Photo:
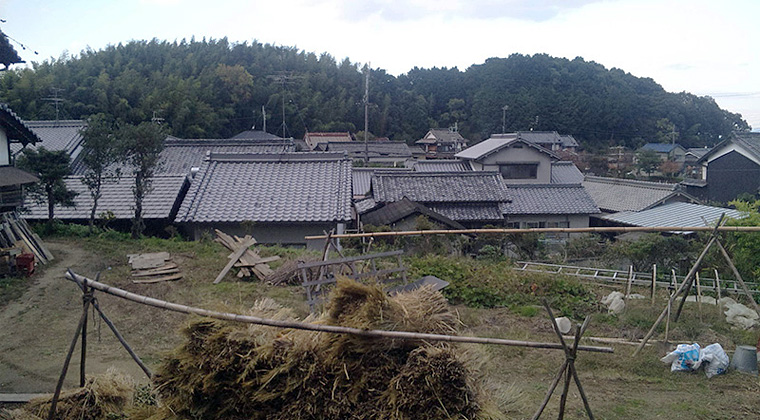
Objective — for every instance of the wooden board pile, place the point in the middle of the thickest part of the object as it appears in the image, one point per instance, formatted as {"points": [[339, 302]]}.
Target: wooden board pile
{"points": [[153, 268], [250, 262], [15, 232]]}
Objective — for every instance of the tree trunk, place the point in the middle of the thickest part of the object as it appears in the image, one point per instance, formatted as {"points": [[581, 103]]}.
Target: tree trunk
{"points": [[95, 198], [137, 222], [50, 203]]}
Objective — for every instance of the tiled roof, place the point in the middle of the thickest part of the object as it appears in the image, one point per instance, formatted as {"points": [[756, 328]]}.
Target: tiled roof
{"points": [[496, 143], [439, 187], [441, 165], [614, 195], [673, 214], [442, 135], [564, 172], [749, 141], [288, 187], [15, 129], [469, 212], [117, 198], [330, 136], [698, 151], [550, 199], [257, 135], [377, 149], [568, 141], [393, 212], [660, 147], [58, 135], [362, 178], [363, 206]]}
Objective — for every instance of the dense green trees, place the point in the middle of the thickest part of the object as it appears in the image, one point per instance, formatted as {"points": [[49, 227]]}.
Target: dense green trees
{"points": [[100, 155], [50, 167], [215, 89]]}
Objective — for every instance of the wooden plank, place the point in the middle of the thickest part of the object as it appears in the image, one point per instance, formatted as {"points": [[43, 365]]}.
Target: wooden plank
{"points": [[144, 263], [149, 255], [38, 241], [172, 277], [260, 261], [37, 253], [155, 273], [167, 266], [232, 261]]}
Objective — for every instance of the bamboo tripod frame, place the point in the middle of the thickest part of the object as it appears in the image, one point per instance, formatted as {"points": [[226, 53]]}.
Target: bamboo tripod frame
{"points": [[567, 370]]}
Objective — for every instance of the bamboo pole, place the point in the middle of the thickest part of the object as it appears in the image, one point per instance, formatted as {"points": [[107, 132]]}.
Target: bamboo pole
{"points": [[610, 229], [717, 287], [83, 356], [699, 296], [654, 280], [549, 393], [630, 281], [67, 361], [684, 286], [404, 335], [123, 342], [738, 277]]}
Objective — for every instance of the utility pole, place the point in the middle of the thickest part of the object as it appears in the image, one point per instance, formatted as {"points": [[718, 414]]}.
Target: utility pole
{"points": [[264, 116], [366, 113], [55, 100], [504, 119]]}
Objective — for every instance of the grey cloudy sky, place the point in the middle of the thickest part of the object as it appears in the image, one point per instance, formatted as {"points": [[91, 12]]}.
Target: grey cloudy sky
{"points": [[704, 47]]}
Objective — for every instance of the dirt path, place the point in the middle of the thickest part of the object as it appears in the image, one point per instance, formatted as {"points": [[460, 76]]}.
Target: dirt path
{"points": [[36, 329]]}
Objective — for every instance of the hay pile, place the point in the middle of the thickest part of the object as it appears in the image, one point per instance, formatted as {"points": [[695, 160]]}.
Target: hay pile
{"points": [[227, 371], [103, 397]]}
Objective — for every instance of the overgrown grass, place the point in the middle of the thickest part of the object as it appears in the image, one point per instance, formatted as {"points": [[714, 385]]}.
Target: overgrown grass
{"points": [[488, 284]]}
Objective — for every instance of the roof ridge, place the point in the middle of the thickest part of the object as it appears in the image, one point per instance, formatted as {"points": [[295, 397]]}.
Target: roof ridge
{"points": [[631, 182]]}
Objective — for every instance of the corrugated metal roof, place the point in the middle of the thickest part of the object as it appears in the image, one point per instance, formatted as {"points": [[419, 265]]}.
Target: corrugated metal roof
{"points": [[117, 198], [673, 214], [289, 187], [564, 172], [550, 199]]}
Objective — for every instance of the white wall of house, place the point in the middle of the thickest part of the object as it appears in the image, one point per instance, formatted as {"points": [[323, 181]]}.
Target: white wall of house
{"points": [[521, 154], [5, 151]]}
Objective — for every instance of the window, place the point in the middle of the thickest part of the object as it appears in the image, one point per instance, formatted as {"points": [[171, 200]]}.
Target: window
{"points": [[519, 170], [564, 224], [535, 225]]}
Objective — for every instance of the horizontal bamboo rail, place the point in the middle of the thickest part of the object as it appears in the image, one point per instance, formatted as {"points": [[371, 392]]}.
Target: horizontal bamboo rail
{"points": [[611, 229], [403, 335]]}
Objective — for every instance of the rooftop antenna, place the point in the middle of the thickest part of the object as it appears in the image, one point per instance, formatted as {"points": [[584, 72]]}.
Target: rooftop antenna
{"points": [[283, 78], [156, 119], [56, 100]]}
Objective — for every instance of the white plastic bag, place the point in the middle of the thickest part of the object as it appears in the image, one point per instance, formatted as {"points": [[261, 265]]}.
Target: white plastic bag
{"points": [[714, 359], [683, 358]]}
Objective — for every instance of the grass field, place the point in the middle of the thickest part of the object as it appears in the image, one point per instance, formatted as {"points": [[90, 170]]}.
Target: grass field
{"points": [[38, 317]]}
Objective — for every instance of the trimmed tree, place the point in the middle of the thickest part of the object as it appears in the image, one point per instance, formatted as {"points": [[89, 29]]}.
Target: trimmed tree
{"points": [[51, 167], [99, 155], [139, 148]]}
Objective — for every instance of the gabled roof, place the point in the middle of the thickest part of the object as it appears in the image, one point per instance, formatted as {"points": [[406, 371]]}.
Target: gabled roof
{"points": [[362, 178], [439, 187], [10, 175], [376, 149], [393, 212], [58, 135], [565, 172], [748, 143], [615, 195], [698, 152], [180, 155], [287, 188], [160, 202], [441, 165], [329, 136], [673, 214], [568, 141], [256, 135], [470, 212], [661, 147], [15, 129], [496, 143], [550, 199], [441, 135]]}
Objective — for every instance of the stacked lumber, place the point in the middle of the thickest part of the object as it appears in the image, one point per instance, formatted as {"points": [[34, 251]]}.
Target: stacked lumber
{"points": [[15, 232], [249, 262], [153, 268]]}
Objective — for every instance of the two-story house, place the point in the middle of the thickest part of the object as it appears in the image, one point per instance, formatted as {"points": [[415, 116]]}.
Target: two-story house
{"points": [[441, 143]]}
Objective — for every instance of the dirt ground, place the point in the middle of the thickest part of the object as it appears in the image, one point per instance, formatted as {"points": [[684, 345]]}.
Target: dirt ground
{"points": [[36, 330]]}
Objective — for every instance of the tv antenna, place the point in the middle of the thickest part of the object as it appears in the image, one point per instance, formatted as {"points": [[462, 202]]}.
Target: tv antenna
{"points": [[284, 78], [56, 100]]}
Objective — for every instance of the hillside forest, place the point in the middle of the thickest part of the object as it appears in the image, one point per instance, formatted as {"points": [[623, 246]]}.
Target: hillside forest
{"points": [[215, 89]]}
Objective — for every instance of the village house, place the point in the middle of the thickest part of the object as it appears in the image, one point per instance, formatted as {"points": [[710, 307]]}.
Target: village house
{"points": [[666, 151], [614, 195], [14, 132], [441, 143], [729, 169], [278, 198], [550, 140], [313, 140]]}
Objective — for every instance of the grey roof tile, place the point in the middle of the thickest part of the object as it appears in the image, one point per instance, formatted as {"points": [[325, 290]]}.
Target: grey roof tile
{"points": [[57, 135], [288, 187], [393, 212], [256, 135], [376, 149], [550, 199], [362, 178], [442, 135], [469, 212], [439, 187], [564, 172], [15, 129], [117, 198], [613, 194]]}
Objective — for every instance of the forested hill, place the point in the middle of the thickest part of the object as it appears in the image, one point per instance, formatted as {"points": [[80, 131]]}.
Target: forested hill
{"points": [[213, 89]]}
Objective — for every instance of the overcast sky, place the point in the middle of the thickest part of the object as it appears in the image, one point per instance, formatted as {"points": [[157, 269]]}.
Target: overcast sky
{"points": [[705, 47]]}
